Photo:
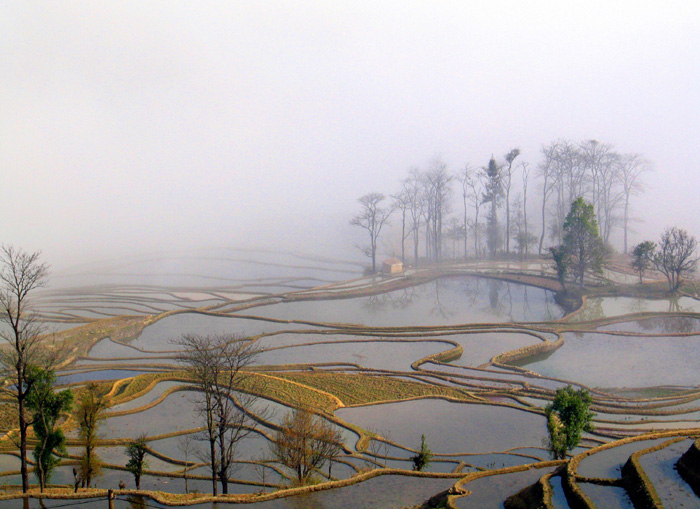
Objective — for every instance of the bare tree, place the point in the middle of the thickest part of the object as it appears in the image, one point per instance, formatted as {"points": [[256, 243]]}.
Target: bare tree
{"points": [[305, 442], [600, 163], [468, 177], [526, 234], [402, 203], [473, 182], [413, 189], [372, 218], [569, 182], [185, 445], [630, 171], [675, 256], [20, 274], [548, 173], [436, 183], [217, 367], [522, 238], [507, 182]]}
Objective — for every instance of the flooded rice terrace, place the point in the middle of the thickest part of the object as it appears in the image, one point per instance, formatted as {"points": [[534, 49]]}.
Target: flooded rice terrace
{"points": [[466, 357]]}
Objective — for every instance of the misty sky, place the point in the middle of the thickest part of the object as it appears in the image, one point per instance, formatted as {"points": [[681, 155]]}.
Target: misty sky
{"points": [[131, 126]]}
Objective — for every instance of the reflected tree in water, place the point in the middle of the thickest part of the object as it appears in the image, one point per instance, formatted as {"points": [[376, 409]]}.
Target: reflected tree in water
{"points": [[404, 299], [668, 324], [439, 308], [375, 304]]}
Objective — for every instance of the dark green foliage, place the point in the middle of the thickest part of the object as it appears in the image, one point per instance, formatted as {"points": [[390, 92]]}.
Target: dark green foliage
{"points": [[568, 416], [424, 456], [493, 194], [582, 249], [136, 451], [561, 262], [47, 407], [643, 254]]}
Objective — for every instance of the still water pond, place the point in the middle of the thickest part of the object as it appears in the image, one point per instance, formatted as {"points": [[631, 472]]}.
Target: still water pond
{"points": [[602, 360], [605, 307], [451, 427], [445, 301]]}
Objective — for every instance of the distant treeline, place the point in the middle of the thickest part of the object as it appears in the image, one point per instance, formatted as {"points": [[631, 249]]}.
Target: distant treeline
{"points": [[484, 210]]}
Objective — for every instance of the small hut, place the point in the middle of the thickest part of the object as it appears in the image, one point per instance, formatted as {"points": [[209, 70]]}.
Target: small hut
{"points": [[392, 266]]}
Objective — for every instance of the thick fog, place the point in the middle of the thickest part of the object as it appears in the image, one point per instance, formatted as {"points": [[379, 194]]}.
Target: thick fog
{"points": [[142, 126]]}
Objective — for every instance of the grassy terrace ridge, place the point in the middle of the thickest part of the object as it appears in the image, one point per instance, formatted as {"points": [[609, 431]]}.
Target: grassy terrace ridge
{"points": [[360, 389]]}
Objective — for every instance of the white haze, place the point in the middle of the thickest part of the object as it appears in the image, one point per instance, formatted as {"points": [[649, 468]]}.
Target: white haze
{"points": [[138, 126]]}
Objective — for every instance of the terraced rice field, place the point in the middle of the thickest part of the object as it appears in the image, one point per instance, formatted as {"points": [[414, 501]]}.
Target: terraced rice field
{"points": [[466, 355]]}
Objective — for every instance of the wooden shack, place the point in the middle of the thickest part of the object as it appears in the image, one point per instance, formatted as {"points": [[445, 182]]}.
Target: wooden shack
{"points": [[392, 266]]}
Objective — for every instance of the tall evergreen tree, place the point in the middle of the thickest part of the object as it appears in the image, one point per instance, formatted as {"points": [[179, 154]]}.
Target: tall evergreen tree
{"points": [[493, 194]]}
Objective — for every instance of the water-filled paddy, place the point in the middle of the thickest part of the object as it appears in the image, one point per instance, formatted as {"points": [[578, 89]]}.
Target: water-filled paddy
{"points": [[669, 485], [103, 374], [491, 491], [657, 325], [152, 395], [210, 268], [608, 463], [445, 301], [393, 355], [386, 491], [451, 427], [602, 360], [106, 348], [613, 497], [559, 500], [160, 335], [176, 413], [606, 307]]}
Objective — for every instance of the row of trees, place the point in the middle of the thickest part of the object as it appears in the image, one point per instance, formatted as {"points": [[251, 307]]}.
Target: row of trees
{"points": [[583, 250], [674, 256], [27, 360], [219, 368], [493, 200], [216, 365]]}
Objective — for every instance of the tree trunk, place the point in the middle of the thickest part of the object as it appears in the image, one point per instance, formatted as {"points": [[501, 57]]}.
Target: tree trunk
{"points": [[224, 483], [416, 239], [22, 432], [403, 239], [508, 219], [88, 470], [526, 239], [627, 200], [465, 226], [544, 224], [212, 452]]}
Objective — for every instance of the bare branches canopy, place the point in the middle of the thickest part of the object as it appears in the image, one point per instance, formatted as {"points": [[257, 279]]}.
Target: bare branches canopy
{"points": [[305, 442], [372, 218], [676, 256], [595, 171], [217, 367]]}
